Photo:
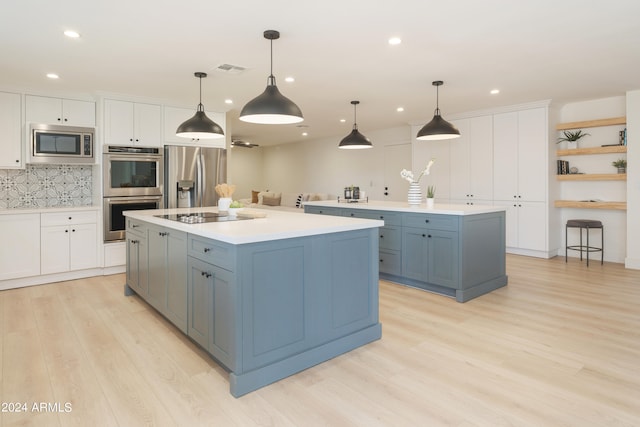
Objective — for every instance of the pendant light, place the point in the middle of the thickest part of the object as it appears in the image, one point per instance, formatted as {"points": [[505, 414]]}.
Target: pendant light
{"points": [[271, 107], [355, 140], [200, 126], [438, 128]]}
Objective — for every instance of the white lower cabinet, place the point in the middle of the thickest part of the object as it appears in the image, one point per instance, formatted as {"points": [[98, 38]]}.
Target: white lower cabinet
{"points": [[20, 250], [526, 226], [68, 241]]}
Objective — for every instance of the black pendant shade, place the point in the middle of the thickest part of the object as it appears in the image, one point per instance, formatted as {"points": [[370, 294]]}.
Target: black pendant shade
{"points": [[437, 128], [271, 107], [355, 140], [200, 126]]}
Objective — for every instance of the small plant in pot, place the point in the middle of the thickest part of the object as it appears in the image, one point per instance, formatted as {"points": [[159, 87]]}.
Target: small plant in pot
{"points": [[621, 164], [572, 138]]}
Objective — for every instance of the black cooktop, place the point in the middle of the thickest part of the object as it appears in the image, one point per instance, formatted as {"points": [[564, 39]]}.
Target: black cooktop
{"points": [[202, 217]]}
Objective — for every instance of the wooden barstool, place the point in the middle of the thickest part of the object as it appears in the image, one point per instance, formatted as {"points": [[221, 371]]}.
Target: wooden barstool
{"points": [[582, 224]]}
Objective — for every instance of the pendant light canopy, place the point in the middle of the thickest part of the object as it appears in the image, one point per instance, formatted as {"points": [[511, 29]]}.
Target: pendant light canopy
{"points": [[271, 107], [200, 126], [355, 140], [438, 128]]}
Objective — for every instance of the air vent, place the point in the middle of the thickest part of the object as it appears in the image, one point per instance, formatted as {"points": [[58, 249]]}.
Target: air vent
{"points": [[230, 69]]}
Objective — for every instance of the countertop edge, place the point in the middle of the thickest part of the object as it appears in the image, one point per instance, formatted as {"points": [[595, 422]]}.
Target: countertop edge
{"points": [[438, 209]]}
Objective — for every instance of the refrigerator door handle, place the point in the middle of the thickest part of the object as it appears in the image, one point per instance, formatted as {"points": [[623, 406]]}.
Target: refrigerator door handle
{"points": [[199, 180]]}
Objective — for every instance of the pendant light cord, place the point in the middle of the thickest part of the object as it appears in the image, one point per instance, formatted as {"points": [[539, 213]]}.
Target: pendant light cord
{"points": [[355, 117], [200, 106], [437, 112]]}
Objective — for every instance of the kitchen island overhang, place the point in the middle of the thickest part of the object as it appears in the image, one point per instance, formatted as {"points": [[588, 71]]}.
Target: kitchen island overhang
{"points": [[266, 297]]}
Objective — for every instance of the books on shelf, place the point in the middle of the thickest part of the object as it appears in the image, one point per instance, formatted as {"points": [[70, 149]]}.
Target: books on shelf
{"points": [[563, 167]]}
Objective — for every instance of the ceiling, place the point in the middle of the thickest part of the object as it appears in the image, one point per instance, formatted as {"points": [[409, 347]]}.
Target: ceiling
{"points": [[337, 51]]}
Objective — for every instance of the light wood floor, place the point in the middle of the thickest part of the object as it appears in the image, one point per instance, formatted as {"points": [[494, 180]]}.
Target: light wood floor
{"points": [[559, 346]]}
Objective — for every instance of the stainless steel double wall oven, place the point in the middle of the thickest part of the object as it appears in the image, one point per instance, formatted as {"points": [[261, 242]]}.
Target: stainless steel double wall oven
{"points": [[133, 179]]}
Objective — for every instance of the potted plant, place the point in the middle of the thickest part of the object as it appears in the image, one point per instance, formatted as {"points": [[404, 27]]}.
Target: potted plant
{"points": [[572, 138], [621, 164], [431, 194]]}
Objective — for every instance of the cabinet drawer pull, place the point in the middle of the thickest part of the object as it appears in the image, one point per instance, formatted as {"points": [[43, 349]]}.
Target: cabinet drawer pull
{"points": [[69, 218], [133, 242], [426, 220], [429, 236], [66, 231], [382, 236], [73, 230], [205, 274], [134, 225], [206, 250], [424, 235]]}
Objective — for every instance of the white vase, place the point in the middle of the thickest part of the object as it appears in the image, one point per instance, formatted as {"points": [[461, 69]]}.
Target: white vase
{"points": [[224, 203], [414, 197], [430, 202], [572, 145]]}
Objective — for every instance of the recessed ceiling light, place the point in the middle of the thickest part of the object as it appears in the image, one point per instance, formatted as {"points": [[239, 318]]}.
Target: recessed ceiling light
{"points": [[304, 134], [400, 109], [343, 120], [53, 76], [72, 34], [495, 91], [228, 101], [395, 40], [289, 79]]}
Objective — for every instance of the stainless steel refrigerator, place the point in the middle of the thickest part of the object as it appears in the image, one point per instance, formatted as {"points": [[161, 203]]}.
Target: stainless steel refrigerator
{"points": [[191, 174]]}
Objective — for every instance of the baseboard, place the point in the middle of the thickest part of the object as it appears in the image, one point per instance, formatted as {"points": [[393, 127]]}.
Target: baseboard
{"points": [[632, 263], [58, 277]]}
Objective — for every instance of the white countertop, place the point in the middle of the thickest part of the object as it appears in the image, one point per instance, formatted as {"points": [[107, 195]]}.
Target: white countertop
{"points": [[439, 208], [11, 211], [275, 226]]}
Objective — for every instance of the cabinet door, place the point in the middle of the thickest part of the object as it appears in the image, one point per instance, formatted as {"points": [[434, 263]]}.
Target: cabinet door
{"points": [[147, 126], [79, 113], [118, 122], [137, 264], [176, 307], [21, 258], [10, 131], [532, 155], [221, 343], [54, 249], [443, 258], [460, 162], [481, 158], [157, 295], [415, 247], [43, 109], [133, 262], [200, 301], [83, 246], [505, 151], [532, 226]]}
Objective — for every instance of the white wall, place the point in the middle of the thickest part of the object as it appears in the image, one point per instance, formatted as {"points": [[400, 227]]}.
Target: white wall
{"points": [[245, 170], [633, 180], [614, 221], [319, 166]]}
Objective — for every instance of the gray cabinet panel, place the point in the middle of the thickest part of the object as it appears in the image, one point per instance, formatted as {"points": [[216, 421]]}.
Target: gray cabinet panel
{"points": [[437, 222], [390, 262], [390, 238], [320, 210], [200, 313]]}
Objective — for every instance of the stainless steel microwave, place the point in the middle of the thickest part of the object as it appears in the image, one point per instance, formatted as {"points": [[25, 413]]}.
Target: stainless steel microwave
{"points": [[61, 144]]}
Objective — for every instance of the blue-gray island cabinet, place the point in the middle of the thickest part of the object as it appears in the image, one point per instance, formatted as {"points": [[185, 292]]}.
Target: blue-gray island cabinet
{"points": [[266, 297], [453, 250]]}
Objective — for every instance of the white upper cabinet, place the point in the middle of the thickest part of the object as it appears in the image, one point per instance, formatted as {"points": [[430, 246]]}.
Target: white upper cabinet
{"points": [[10, 131], [174, 117], [520, 155], [72, 112], [132, 123], [472, 160]]}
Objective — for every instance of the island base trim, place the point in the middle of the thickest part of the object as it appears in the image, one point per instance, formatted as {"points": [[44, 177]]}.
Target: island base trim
{"points": [[460, 295], [241, 384]]}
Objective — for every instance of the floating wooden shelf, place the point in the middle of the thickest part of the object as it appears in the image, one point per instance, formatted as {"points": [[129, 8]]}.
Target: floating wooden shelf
{"points": [[591, 205], [592, 123], [593, 150], [593, 177]]}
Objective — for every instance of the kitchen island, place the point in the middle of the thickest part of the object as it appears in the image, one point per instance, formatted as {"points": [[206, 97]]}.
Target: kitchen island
{"points": [[452, 249], [265, 297]]}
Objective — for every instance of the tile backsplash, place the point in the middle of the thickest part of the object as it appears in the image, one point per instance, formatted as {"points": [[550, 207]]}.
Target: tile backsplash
{"points": [[46, 186]]}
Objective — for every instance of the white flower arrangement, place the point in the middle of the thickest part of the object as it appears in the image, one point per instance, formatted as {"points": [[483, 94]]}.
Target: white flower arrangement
{"points": [[408, 175]]}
